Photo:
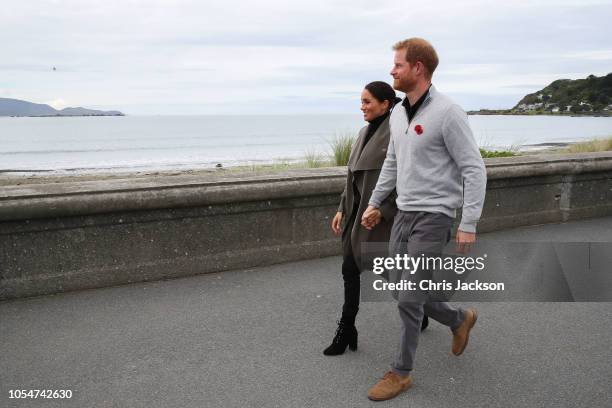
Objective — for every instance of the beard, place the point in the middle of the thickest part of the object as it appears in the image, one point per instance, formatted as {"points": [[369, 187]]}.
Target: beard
{"points": [[404, 84]]}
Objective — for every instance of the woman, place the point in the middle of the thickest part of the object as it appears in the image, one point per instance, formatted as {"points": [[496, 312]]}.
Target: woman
{"points": [[366, 160]]}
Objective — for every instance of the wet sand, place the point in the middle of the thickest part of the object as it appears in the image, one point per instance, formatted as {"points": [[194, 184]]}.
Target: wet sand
{"points": [[12, 177]]}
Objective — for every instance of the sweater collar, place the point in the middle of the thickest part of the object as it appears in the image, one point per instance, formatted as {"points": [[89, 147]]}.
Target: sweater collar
{"points": [[411, 110]]}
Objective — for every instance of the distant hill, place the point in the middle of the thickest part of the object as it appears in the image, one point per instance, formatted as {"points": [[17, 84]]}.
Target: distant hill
{"points": [[16, 107], [589, 96]]}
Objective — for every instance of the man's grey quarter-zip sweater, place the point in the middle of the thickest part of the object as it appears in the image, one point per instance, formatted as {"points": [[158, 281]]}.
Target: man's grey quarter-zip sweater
{"points": [[438, 170]]}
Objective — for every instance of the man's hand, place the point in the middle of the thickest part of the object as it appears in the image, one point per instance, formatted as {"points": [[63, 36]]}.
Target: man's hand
{"points": [[371, 216], [336, 224], [464, 241]]}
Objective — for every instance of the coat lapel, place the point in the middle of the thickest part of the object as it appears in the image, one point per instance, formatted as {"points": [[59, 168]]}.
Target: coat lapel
{"points": [[356, 151], [372, 156]]}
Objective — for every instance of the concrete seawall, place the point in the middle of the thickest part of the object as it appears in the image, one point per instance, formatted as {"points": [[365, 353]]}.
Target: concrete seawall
{"points": [[78, 235]]}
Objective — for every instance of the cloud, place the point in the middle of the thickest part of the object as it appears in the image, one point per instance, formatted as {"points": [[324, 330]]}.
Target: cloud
{"points": [[163, 56], [592, 55], [57, 103]]}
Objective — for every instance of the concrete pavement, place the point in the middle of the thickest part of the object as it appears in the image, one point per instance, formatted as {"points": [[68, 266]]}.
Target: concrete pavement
{"points": [[254, 338]]}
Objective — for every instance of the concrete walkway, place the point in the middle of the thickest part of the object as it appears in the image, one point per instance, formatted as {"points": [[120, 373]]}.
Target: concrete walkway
{"points": [[254, 339]]}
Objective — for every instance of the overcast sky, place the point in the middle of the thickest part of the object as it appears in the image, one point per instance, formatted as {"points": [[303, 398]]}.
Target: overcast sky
{"points": [[271, 57]]}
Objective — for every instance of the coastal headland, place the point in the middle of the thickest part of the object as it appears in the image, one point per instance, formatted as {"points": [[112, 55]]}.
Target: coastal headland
{"points": [[18, 108], [591, 96]]}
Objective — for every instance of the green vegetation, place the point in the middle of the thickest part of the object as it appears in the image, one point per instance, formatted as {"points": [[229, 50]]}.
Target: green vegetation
{"points": [[583, 95], [592, 94], [314, 159], [506, 151], [595, 145], [589, 96], [496, 153], [280, 165], [341, 146]]}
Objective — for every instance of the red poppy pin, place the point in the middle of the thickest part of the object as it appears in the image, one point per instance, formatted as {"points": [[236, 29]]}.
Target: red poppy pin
{"points": [[418, 129]]}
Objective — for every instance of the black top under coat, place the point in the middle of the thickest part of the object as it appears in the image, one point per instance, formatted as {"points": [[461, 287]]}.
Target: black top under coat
{"points": [[373, 127], [412, 110]]}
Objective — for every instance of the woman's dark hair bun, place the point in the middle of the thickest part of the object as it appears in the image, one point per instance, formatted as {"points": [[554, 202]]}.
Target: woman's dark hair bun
{"points": [[382, 91]]}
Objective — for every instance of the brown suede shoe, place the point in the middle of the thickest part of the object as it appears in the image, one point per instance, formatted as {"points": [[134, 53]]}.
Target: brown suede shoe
{"points": [[462, 333], [389, 386]]}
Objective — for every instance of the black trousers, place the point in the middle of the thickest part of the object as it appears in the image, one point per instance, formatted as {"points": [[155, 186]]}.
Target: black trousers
{"points": [[351, 271], [350, 275]]}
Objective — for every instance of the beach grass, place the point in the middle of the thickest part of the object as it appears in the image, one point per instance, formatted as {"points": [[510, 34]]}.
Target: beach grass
{"points": [[505, 151], [341, 146], [497, 153], [275, 165], [314, 160], [593, 145], [508, 151]]}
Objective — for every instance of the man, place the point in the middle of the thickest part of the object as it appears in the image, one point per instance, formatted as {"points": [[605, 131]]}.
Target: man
{"points": [[435, 166]]}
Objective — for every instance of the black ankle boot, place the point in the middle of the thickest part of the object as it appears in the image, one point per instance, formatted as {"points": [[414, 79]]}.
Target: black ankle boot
{"points": [[425, 322], [346, 335]]}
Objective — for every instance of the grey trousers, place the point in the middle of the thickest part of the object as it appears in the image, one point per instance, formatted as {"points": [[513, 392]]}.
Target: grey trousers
{"points": [[415, 233]]}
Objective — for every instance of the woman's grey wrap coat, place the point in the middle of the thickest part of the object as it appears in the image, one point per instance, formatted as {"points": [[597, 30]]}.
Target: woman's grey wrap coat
{"points": [[363, 170]]}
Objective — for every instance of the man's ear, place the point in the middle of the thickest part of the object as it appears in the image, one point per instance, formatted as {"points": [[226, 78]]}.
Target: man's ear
{"points": [[420, 68]]}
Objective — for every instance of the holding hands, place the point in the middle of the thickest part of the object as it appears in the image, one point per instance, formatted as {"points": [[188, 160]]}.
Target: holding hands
{"points": [[371, 217]]}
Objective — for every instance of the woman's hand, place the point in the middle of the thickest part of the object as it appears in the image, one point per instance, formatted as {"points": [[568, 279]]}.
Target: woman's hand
{"points": [[371, 217], [336, 224]]}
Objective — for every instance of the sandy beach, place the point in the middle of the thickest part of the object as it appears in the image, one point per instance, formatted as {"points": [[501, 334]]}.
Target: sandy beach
{"points": [[11, 178]]}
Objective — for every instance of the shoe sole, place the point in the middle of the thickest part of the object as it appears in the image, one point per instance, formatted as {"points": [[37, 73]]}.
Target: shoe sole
{"points": [[467, 336], [393, 396]]}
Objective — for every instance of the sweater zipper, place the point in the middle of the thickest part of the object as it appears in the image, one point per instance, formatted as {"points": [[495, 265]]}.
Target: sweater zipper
{"points": [[425, 102]]}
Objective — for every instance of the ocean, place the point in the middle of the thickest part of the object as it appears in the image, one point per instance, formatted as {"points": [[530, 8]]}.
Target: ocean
{"points": [[146, 143]]}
